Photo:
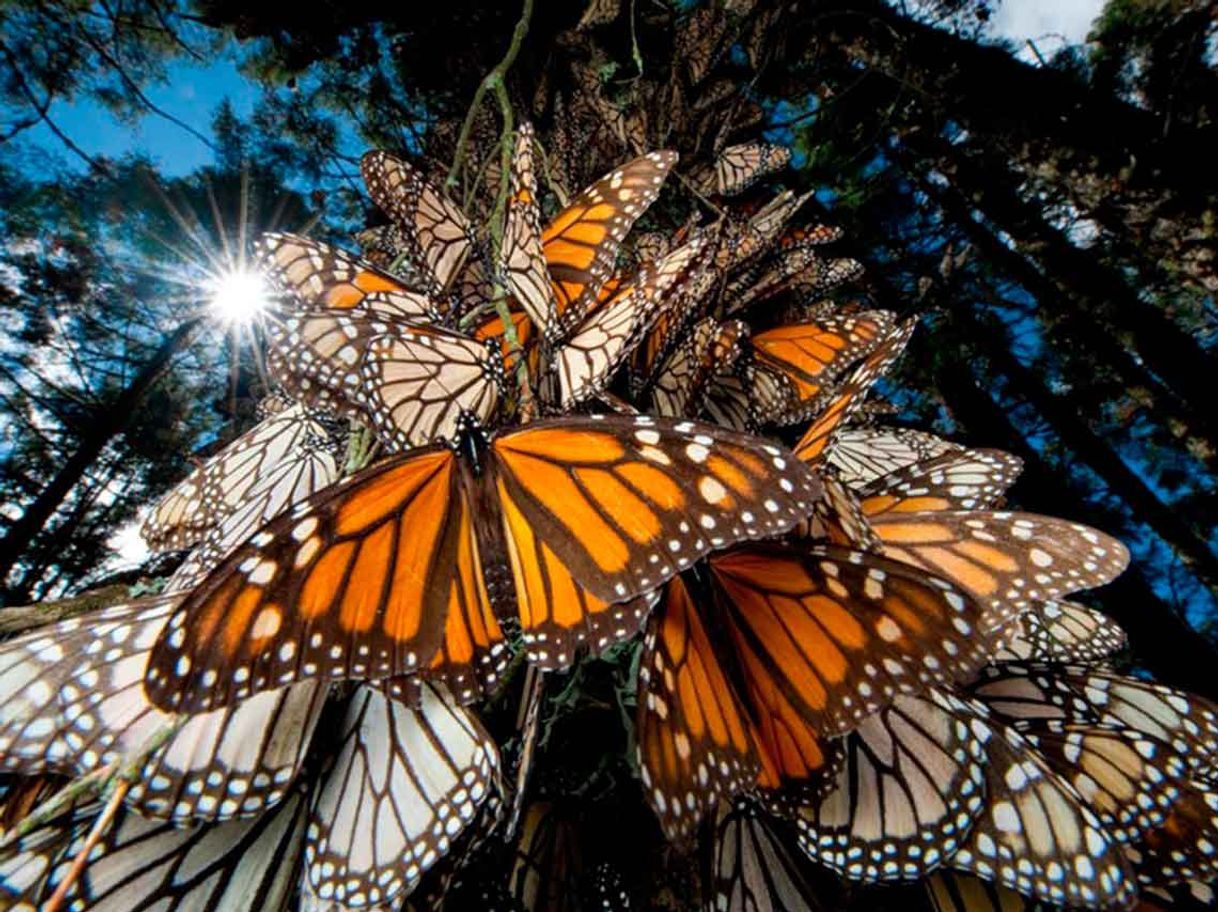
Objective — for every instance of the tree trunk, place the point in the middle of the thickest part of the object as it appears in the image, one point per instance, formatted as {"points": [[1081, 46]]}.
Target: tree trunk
{"points": [[109, 424]]}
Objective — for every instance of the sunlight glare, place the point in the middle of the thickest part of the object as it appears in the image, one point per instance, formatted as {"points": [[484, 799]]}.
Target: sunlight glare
{"points": [[239, 296]]}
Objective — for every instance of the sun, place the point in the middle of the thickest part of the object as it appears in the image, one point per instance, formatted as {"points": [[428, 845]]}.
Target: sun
{"points": [[238, 296]]}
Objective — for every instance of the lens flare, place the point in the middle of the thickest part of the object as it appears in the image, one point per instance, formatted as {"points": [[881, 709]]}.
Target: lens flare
{"points": [[238, 296]]}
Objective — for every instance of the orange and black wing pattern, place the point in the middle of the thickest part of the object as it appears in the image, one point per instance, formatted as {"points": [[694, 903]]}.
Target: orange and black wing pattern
{"points": [[626, 503], [844, 631], [581, 244], [317, 277], [354, 582], [433, 229], [696, 743], [849, 399], [963, 480], [1007, 561]]}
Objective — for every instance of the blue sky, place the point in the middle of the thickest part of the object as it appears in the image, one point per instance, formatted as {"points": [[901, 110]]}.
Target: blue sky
{"points": [[192, 93]]}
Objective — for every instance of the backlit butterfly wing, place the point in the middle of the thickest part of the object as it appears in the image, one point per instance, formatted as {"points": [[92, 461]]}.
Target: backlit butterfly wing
{"points": [[286, 442], [696, 743], [306, 472], [1007, 561], [1059, 631], [1034, 834], [318, 277], [143, 865], [524, 261], [74, 702], [962, 480], [753, 868], [432, 227], [902, 802], [354, 582], [627, 503], [405, 783], [581, 244], [846, 631], [745, 242], [700, 41], [419, 382], [862, 455], [587, 361], [809, 236], [821, 434], [838, 517], [548, 863]]}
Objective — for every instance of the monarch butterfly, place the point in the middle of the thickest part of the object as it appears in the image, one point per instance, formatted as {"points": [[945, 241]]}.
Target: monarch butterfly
{"points": [[548, 865], [291, 444], [431, 227], [1007, 561], [710, 349], [74, 702], [413, 382], [1082, 693], [809, 236], [821, 435], [1059, 631], [861, 455], [950, 891], [699, 41], [589, 513], [808, 642], [808, 356], [317, 277], [903, 800], [752, 868], [1034, 834], [746, 241], [599, 12], [142, 864], [959, 480], [737, 168], [413, 777], [800, 268]]}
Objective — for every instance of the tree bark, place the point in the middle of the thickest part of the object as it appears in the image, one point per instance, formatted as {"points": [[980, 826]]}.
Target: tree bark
{"points": [[109, 424]]}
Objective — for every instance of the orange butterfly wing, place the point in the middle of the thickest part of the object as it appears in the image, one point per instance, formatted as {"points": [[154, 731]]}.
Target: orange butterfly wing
{"points": [[354, 582], [626, 503]]}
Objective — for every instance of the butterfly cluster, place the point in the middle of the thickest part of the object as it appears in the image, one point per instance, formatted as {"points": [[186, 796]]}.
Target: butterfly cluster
{"points": [[592, 438]]}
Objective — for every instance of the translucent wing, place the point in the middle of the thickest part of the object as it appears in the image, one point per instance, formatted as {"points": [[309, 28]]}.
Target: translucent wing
{"points": [[708, 351], [587, 361], [754, 869], [74, 701], [431, 226], [1035, 835], [626, 503], [524, 261], [962, 480], [405, 783], [204, 499], [1008, 561], [581, 244], [950, 891], [317, 277], [1081, 693], [143, 865]]}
